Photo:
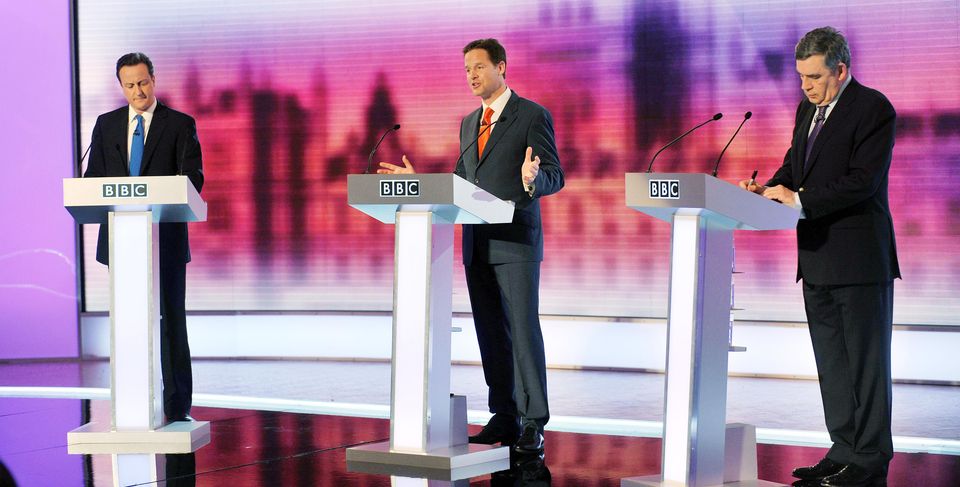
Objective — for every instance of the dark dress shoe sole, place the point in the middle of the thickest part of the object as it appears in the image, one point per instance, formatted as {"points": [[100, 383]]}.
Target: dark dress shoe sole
{"points": [[482, 439], [525, 448]]}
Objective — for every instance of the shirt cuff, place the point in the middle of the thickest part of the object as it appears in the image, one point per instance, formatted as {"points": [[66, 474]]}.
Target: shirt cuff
{"points": [[799, 204]]}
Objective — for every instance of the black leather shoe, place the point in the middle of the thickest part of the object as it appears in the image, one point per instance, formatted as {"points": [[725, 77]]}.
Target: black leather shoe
{"points": [[531, 439], [502, 428], [854, 476], [182, 418], [822, 469]]}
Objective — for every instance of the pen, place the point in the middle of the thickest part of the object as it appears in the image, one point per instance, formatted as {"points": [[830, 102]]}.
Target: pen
{"points": [[753, 178]]}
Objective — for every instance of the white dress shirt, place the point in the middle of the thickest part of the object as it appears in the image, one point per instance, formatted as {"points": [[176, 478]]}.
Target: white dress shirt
{"points": [[132, 121]]}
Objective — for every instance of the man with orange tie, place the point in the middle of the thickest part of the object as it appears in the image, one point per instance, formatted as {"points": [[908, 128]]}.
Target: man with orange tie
{"points": [[515, 159]]}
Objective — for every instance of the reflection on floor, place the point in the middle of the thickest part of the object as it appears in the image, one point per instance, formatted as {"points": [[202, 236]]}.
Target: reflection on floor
{"points": [[256, 448]]}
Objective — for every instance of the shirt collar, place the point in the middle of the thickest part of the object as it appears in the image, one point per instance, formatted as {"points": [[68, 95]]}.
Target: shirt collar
{"points": [[499, 104], [132, 114], [833, 102]]}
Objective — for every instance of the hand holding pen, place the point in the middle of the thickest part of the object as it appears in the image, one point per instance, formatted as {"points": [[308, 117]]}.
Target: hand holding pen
{"points": [[751, 184]]}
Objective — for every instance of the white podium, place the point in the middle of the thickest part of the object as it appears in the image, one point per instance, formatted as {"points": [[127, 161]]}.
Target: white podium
{"points": [[428, 426], [134, 206], [699, 449]]}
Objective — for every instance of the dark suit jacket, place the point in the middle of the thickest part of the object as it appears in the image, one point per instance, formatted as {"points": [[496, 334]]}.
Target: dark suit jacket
{"points": [[172, 137], [847, 234], [522, 124]]}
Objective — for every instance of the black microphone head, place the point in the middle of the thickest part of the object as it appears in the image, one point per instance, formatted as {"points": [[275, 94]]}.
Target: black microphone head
{"points": [[746, 116], [396, 127], [718, 116]]}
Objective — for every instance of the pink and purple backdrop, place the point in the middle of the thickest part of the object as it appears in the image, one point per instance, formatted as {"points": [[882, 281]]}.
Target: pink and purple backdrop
{"points": [[289, 97], [39, 302]]}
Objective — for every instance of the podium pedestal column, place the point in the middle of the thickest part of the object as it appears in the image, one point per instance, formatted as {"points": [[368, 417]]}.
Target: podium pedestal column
{"points": [[135, 322], [420, 386], [694, 427], [424, 439]]}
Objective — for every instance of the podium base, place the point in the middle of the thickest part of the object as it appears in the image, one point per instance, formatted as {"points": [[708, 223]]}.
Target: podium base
{"points": [[453, 463], [657, 481], [178, 437]]}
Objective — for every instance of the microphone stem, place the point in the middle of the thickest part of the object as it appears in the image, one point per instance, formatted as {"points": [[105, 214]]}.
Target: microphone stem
{"points": [[374, 151], [716, 168], [650, 167]]}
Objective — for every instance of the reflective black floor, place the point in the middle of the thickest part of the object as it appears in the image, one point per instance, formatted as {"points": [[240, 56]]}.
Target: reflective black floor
{"points": [[255, 448]]}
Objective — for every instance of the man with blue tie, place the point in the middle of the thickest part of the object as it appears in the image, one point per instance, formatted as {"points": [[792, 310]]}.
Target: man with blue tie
{"points": [[147, 138], [836, 171]]}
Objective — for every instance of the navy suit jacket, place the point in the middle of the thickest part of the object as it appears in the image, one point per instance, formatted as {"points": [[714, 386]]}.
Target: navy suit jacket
{"points": [[847, 234], [172, 147], [522, 124]]}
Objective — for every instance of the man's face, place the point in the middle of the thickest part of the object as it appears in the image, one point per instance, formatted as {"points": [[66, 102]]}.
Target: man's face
{"points": [[819, 84], [485, 78], [137, 86]]}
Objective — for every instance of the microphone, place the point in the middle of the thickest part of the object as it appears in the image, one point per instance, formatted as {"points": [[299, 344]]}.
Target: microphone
{"points": [[183, 156], [477, 139], [718, 116], [374, 151], [84, 156], [746, 116]]}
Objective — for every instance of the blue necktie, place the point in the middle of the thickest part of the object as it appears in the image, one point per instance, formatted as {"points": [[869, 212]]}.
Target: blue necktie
{"points": [[136, 148]]}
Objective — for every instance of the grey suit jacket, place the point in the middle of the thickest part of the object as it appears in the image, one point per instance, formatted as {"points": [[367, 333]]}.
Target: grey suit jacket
{"points": [[522, 124]]}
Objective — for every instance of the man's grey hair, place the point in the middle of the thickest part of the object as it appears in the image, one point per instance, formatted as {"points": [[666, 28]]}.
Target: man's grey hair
{"points": [[826, 41]]}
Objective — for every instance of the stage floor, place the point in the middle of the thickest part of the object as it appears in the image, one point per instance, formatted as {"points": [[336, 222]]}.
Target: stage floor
{"points": [[258, 448], [262, 436], [924, 411]]}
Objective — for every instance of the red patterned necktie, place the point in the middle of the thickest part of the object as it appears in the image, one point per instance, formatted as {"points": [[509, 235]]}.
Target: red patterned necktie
{"points": [[484, 131]]}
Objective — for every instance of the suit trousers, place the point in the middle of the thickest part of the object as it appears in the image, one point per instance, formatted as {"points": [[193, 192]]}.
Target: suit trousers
{"points": [[505, 303], [851, 328], [174, 347]]}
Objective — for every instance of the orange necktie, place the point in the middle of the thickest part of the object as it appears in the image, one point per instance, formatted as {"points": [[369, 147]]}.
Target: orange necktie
{"points": [[484, 131]]}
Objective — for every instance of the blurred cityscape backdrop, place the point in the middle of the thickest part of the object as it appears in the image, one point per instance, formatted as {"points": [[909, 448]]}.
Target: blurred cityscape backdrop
{"points": [[290, 96]]}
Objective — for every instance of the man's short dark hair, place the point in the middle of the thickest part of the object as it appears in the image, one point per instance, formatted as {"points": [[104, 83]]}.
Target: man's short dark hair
{"points": [[494, 49], [826, 41], [133, 59]]}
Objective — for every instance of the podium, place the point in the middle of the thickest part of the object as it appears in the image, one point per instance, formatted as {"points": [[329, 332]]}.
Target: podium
{"points": [[133, 207], [699, 449], [428, 426]]}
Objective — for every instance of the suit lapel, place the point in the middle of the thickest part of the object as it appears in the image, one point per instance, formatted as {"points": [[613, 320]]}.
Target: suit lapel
{"points": [[830, 127], [503, 124], [801, 142], [472, 125], [157, 125], [116, 140]]}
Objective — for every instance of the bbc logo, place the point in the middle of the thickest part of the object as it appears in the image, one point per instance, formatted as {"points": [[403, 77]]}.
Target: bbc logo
{"points": [[392, 188], [665, 189], [138, 190]]}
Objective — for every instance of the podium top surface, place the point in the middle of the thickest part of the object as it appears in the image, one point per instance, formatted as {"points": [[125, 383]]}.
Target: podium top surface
{"points": [[662, 195], [170, 198], [449, 197]]}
